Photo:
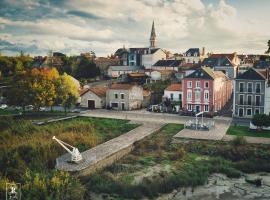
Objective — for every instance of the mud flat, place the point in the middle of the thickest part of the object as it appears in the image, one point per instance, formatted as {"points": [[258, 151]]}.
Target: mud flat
{"points": [[220, 187]]}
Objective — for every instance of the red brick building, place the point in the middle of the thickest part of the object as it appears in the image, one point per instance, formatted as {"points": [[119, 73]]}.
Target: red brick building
{"points": [[206, 90]]}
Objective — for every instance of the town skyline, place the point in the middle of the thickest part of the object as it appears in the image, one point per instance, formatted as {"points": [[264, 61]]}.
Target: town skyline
{"points": [[222, 26]]}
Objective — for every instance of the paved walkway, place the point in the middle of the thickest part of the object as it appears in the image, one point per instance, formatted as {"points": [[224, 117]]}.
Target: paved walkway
{"points": [[215, 133], [142, 115], [93, 156]]}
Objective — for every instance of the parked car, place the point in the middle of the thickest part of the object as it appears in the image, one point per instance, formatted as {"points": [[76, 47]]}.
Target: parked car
{"points": [[3, 106], [29, 107], [42, 109]]}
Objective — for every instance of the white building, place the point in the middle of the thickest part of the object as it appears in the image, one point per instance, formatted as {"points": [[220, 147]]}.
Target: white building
{"points": [[194, 55], [151, 56]]}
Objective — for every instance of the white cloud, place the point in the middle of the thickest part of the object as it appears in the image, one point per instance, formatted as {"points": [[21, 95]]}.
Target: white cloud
{"points": [[180, 24]]}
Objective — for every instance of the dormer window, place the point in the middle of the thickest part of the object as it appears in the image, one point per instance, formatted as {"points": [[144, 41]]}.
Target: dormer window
{"points": [[195, 54], [189, 55]]}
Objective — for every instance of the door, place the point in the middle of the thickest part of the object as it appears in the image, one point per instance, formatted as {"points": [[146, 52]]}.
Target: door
{"points": [[123, 106], [197, 109], [91, 104], [241, 112]]}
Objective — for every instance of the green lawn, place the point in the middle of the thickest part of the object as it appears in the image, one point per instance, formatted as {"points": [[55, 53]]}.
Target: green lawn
{"points": [[8, 112], [245, 131]]}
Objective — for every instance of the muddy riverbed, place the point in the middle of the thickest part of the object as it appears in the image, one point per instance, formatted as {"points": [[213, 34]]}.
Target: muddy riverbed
{"points": [[219, 187]]}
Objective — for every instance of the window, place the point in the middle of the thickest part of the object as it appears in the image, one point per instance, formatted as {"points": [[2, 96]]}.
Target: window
{"points": [[258, 87], [241, 99], [206, 84], [116, 96], [258, 100], [206, 95], [172, 96], [198, 84], [122, 96], [249, 111], [206, 108], [250, 85], [189, 107], [114, 105], [189, 96], [189, 84], [241, 87], [249, 101], [257, 111], [198, 95], [180, 97]]}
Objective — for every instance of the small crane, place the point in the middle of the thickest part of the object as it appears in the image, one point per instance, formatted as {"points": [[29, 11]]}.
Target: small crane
{"points": [[76, 156]]}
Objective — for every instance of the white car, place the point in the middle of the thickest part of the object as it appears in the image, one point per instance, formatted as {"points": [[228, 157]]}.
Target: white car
{"points": [[42, 109], [3, 106]]}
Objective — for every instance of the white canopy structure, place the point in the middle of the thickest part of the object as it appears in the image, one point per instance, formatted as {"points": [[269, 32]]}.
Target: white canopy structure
{"points": [[75, 154]]}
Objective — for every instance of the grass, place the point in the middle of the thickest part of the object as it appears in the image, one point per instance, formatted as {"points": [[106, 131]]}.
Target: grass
{"points": [[245, 131], [8, 112]]}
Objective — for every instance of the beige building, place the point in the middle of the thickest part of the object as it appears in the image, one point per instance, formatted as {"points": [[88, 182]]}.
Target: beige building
{"points": [[94, 97], [124, 97]]}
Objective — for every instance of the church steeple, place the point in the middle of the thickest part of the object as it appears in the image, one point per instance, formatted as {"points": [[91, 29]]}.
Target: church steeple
{"points": [[153, 36]]}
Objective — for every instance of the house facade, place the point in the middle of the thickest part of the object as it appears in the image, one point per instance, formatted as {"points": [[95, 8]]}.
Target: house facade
{"points": [[175, 94], [194, 55], [206, 90], [116, 71], [124, 97], [249, 94], [93, 97]]}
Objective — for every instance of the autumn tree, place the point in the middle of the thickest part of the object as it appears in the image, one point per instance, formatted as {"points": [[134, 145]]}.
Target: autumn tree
{"points": [[67, 91], [43, 88]]}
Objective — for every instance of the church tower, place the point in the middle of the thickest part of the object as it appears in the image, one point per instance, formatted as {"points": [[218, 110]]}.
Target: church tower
{"points": [[153, 37]]}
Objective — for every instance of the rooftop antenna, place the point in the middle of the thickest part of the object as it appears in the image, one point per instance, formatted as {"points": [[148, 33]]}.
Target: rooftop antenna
{"points": [[76, 156]]}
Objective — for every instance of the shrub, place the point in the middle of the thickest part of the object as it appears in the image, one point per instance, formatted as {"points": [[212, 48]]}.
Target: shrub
{"points": [[239, 141]]}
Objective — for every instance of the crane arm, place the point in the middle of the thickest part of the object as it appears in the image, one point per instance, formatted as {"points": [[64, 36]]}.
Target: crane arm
{"points": [[63, 144]]}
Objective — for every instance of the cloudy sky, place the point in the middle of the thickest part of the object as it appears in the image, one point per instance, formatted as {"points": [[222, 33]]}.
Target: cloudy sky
{"points": [[74, 26]]}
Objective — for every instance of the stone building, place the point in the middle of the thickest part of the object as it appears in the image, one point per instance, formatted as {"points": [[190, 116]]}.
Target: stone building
{"points": [[124, 97]]}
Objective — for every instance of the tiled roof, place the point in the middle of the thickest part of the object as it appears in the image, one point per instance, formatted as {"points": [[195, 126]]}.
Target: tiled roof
{"points": [[136, 74], [126, 68], [168, 63], [222, 55], [193, 51], [142, 50], [146, 93], [99, 91], [121, 86], [206, 73], [251, 74], [216, 62], [174, 87], [83, 91], [262, 64]]}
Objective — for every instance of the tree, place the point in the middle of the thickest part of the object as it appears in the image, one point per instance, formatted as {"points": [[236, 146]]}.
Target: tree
{"points": [[86, 69], [67, 91], [261, 120], [19, 92]]}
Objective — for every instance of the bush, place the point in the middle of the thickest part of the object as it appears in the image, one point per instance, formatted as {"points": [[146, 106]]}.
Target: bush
{"points": [[239, 141]]}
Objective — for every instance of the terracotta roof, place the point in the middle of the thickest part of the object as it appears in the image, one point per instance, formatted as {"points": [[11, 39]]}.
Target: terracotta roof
{"points": [[174, 87], [120, 86], [99, 91], [222, 55], [146, 93], [136, 74], [83, 91]]}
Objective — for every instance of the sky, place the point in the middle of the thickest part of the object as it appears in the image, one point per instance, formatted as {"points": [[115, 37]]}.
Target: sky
{"points": [[74, 26]]}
